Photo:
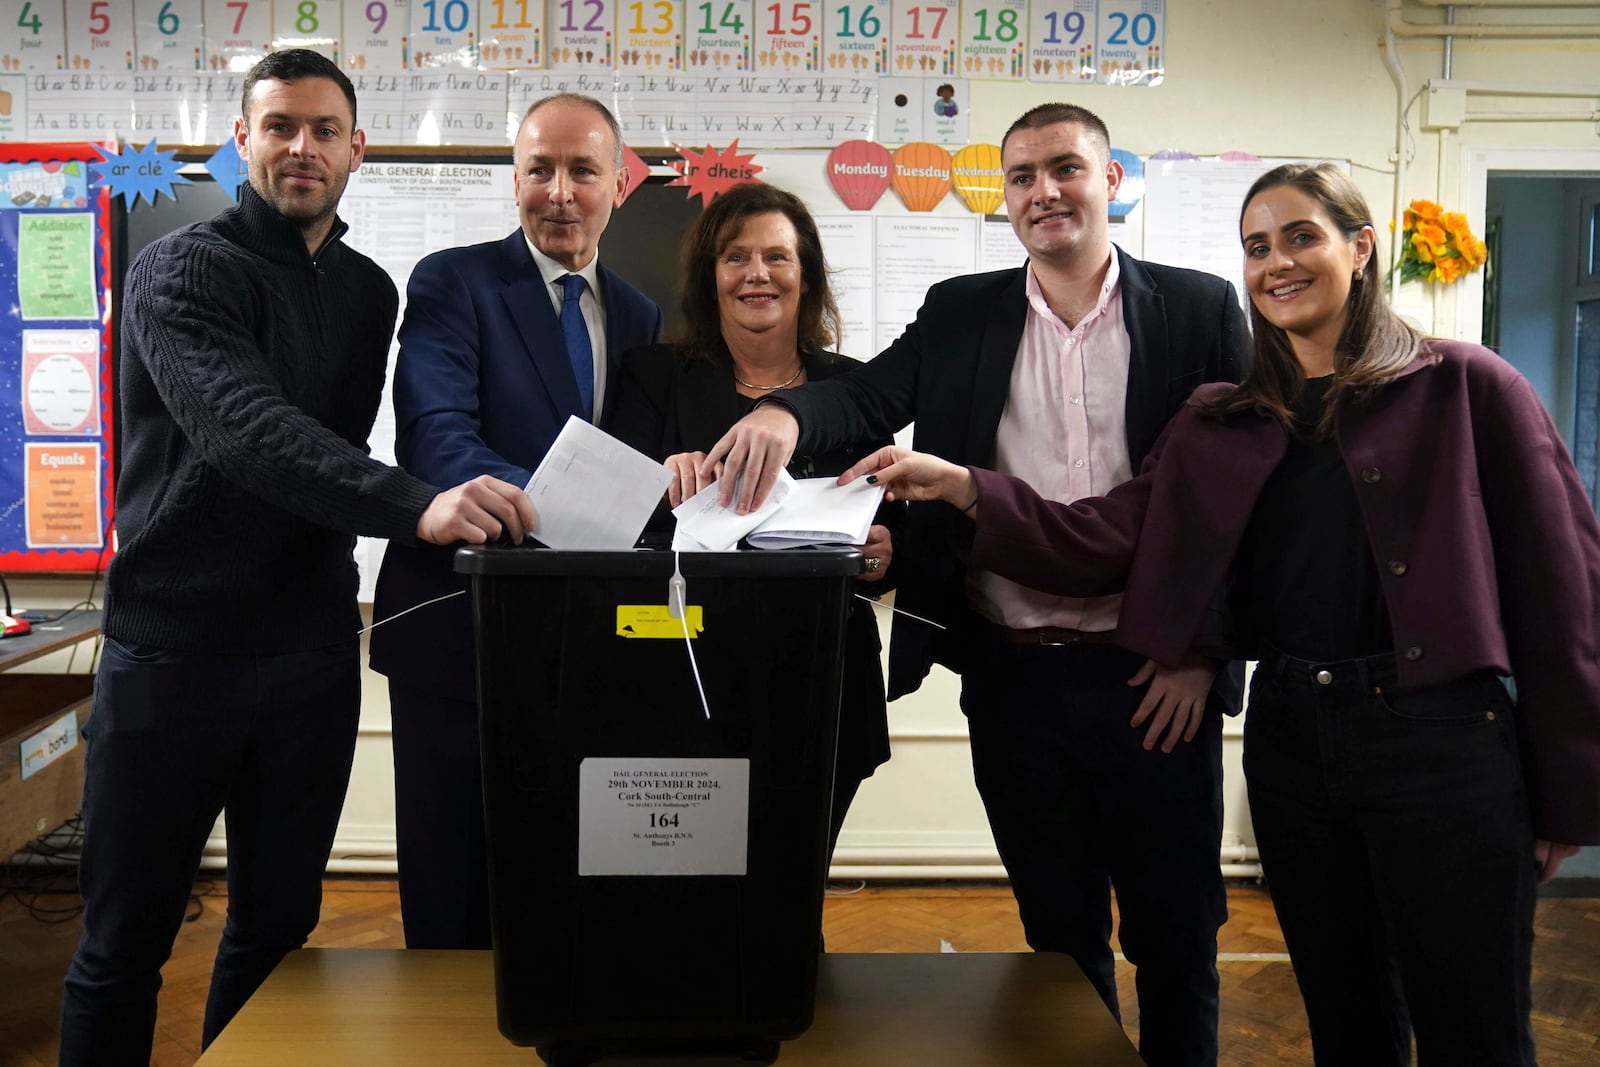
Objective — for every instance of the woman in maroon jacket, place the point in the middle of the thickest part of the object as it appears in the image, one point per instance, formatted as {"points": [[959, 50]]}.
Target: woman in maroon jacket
{"points": [[1396, 527]]}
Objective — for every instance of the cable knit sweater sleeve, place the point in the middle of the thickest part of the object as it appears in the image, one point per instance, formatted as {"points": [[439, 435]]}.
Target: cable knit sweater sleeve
{"points": [[250, 375], [221, 336]]}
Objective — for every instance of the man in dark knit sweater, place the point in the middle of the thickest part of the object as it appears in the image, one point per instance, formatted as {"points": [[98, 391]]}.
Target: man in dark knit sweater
{"points": [[254, 349]]}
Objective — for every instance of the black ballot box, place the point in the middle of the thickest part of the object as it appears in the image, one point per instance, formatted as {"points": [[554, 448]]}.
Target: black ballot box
{"points": [[656, 873]]}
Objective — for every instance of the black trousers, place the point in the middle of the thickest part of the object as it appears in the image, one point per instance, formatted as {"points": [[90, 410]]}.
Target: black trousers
{"points": [[1078, 807], [438, 811], [175, 739], [1394, 831]]}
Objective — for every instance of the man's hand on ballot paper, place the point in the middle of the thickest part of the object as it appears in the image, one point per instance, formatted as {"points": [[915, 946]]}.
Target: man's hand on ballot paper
{"points": [[478, 512]]}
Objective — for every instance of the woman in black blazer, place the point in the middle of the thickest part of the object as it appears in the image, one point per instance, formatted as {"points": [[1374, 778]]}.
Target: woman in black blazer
{"points": [[759, 316]]}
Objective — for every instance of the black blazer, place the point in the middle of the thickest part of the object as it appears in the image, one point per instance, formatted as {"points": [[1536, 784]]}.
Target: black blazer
{"points": [[670, 404], [950, 372]]}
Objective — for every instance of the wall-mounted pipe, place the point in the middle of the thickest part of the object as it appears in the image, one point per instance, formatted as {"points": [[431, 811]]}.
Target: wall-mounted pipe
{"points": [[1516, 88], [1530, 116], [1477, 29], [1510, 3], [1401, 94], [1402, 28], [1449, 42]]}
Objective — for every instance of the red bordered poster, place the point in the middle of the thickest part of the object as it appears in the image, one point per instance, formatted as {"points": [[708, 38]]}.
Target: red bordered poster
{"points": [[56, 411]]}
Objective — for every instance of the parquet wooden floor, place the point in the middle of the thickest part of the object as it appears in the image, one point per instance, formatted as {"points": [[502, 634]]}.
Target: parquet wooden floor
{"points": [[1262, 1021]]}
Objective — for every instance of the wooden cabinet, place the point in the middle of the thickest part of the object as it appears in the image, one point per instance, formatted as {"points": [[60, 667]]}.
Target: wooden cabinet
{"points": [[31, 704]]}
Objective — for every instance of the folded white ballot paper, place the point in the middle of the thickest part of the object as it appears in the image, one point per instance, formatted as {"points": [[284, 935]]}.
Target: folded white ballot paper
{"points": [[812, 511], [820, 511], [704, 525], [594, 492]]}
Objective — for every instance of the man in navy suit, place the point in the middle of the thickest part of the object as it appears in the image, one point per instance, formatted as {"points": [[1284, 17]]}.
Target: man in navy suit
{"points": [[501, 343], [1097, 769]]}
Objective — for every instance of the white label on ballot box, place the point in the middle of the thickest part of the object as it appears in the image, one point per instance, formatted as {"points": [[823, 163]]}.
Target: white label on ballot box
{"points": [[663, 815]]}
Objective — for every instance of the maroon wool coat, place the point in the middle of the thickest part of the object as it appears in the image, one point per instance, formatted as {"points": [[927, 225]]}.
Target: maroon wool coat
{"points": [[1486, 546]]}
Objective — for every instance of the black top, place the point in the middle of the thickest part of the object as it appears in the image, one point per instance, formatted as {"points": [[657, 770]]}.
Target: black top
{"points": [[1307, 583], [671, 404], [251, 374]]}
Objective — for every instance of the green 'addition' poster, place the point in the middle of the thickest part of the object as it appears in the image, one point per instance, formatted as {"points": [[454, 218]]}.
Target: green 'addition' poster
{"points": [[55, 265]]}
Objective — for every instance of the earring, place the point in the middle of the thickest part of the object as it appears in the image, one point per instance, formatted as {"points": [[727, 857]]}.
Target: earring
{"points": [[1359, 273]]}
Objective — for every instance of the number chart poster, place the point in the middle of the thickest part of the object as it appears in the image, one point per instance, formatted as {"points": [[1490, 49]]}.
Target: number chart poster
{"points": [[55, 365]]}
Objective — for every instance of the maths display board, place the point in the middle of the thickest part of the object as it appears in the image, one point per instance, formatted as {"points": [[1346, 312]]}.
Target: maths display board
{"points": [[55, 365]]}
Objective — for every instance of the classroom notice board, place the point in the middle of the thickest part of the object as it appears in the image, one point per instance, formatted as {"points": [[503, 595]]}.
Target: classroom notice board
{"points": [[55, 362]]}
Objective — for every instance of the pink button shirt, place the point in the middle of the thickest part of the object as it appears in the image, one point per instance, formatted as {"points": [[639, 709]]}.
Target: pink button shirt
{"points": [[1064, 432]]}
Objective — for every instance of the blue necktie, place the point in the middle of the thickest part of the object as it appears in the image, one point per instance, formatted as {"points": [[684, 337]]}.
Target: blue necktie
{"points": [[576, 333]]}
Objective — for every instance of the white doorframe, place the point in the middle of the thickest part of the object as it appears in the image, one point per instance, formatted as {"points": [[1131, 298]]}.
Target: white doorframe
{"points": [[1477, 161]]}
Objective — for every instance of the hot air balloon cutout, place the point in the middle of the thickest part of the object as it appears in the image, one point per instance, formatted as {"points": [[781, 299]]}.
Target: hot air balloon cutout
{"points": [[978, 178], [709, 173], [1132, 189], [921, 175], [859, 173]]}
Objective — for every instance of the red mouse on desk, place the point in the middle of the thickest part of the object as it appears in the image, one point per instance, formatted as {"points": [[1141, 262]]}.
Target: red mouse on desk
{"points": [[11, 626]]}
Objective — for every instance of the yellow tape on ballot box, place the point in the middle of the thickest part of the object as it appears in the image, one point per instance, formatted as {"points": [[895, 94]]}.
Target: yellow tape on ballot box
{"points": [[653, 620]]}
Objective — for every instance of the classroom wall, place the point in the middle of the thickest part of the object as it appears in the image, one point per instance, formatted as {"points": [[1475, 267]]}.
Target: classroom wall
{"points": [[1266, 78], [1269, 78]]}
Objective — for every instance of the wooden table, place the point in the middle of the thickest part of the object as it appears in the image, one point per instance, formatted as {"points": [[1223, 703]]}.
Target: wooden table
{"points": [[399, 1008], [30, 703]]}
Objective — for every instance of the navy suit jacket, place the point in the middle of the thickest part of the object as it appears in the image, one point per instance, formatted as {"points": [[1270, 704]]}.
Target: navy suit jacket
{"points": [[482, 386], [950, 374]]}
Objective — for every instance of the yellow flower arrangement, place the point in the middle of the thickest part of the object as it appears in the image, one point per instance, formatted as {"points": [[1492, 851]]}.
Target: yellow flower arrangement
{"points": [[1437, 245]]}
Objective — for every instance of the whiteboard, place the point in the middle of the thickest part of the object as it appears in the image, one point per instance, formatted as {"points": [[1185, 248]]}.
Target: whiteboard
{"points": [[1191, 212], [398, 213]]}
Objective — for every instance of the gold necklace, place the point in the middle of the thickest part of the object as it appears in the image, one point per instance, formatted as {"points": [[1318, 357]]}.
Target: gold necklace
{"points": [[781, 385]]}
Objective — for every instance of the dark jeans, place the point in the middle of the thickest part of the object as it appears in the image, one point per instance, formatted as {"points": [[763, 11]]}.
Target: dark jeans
{"points": [[175, 739], [438, 815], [1078, 807], [1395, 836]]}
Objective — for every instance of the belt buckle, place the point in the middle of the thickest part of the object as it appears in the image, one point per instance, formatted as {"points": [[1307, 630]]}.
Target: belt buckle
{"points": [[1058, 637]]}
